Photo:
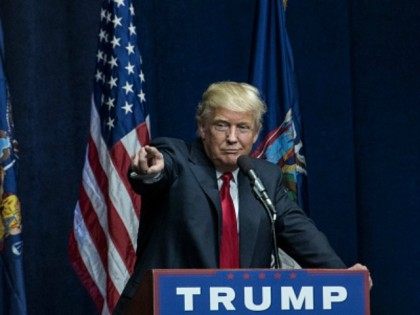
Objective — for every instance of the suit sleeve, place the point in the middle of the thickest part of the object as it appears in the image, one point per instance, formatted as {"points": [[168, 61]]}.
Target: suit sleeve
{"points": [[154, 189], [299, 236]]}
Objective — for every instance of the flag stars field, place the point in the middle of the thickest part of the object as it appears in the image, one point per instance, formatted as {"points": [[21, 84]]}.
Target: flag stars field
{"points": [[130, 49], [110, 123], [127, 107], [115, 42], [108, 17], [112, 82], [128, 88], [142, 96], [130, 68], [98, 76], [103, 36], [113, 62], [119, 3], [100, 55], [132, 29], [110, 103], [116, 21]]}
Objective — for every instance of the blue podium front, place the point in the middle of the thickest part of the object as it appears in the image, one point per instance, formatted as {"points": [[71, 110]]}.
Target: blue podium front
{"points": [[261, 291]]}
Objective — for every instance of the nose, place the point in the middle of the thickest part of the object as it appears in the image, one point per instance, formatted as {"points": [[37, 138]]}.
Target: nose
{"points": [[231, 135]]}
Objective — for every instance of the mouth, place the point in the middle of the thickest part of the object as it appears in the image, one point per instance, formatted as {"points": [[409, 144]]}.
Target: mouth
{"points": [[231, 151]]}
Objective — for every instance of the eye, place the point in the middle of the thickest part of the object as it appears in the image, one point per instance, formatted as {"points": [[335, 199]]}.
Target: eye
{"points": [[243, 128], [221, 126]]}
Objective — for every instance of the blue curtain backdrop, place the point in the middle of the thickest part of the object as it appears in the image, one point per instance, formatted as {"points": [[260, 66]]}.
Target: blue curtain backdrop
{"points": [[357, 68]]}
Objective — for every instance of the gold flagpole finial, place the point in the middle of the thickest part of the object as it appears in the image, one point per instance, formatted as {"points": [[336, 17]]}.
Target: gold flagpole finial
{"points": [[285, 4]]}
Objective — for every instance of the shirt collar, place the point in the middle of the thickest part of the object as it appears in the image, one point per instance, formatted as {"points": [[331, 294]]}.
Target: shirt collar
{"points": [[234, 173]]}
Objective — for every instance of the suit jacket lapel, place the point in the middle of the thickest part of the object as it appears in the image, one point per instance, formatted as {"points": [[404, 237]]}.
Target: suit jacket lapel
{"points": [[204, 172], [249, 221]]}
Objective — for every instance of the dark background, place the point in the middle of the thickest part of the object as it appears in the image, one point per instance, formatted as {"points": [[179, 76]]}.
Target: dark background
{"points": [[357, 70]]}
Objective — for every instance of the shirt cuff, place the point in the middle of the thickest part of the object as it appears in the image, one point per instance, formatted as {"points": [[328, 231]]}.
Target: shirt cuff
{"points": [[146, 178]]}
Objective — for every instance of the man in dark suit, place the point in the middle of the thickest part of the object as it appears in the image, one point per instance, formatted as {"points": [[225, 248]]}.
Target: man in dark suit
{"points": [[199, 210]]}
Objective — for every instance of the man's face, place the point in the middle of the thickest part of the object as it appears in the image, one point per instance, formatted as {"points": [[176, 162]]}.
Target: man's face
{"points": [[226, 135]]}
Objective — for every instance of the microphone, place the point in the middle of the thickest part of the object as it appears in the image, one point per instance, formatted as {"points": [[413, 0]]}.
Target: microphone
{"points": [[245, 164]]}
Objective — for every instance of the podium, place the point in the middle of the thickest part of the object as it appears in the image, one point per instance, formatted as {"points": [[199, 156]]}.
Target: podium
{"points": [[252, 291]]}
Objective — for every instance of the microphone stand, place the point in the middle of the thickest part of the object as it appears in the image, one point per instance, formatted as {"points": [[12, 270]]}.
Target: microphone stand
{"points": [[272, 214], [245, 164]]}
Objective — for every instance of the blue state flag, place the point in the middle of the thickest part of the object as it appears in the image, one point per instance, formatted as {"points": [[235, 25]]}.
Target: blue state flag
{"points": [[12, 288], [272, 72]]}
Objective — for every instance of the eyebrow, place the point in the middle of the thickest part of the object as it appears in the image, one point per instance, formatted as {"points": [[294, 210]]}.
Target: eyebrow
{"points": [[216, 119]]}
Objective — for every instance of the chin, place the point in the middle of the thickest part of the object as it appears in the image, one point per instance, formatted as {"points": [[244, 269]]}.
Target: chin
{"points": [[231, 163]]}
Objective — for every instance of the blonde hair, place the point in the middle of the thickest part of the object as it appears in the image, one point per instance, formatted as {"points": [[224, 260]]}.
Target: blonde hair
{"points": [[234, 96]]}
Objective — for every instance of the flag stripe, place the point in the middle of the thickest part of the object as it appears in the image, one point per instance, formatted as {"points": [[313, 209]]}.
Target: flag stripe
{"points": [[143, 132], [83, 273], [122, 163], [94, 228], [132, 143], [98, 229], [94, 244], [91, 199], [84, 253], [117, 231]]}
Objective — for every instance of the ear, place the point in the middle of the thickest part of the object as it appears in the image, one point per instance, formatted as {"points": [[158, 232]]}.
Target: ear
{"points": [[256, 136], [201, 131]]}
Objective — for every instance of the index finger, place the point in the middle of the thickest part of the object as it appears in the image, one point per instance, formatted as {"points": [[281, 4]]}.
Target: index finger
{"points": [[152, 151]]}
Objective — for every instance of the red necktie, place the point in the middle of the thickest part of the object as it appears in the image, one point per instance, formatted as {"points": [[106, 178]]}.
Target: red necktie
{"points": [[229, 243]]}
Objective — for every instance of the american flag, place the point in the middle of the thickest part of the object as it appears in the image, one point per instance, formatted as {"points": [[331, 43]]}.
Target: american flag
{"points": [[103, 242]]}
